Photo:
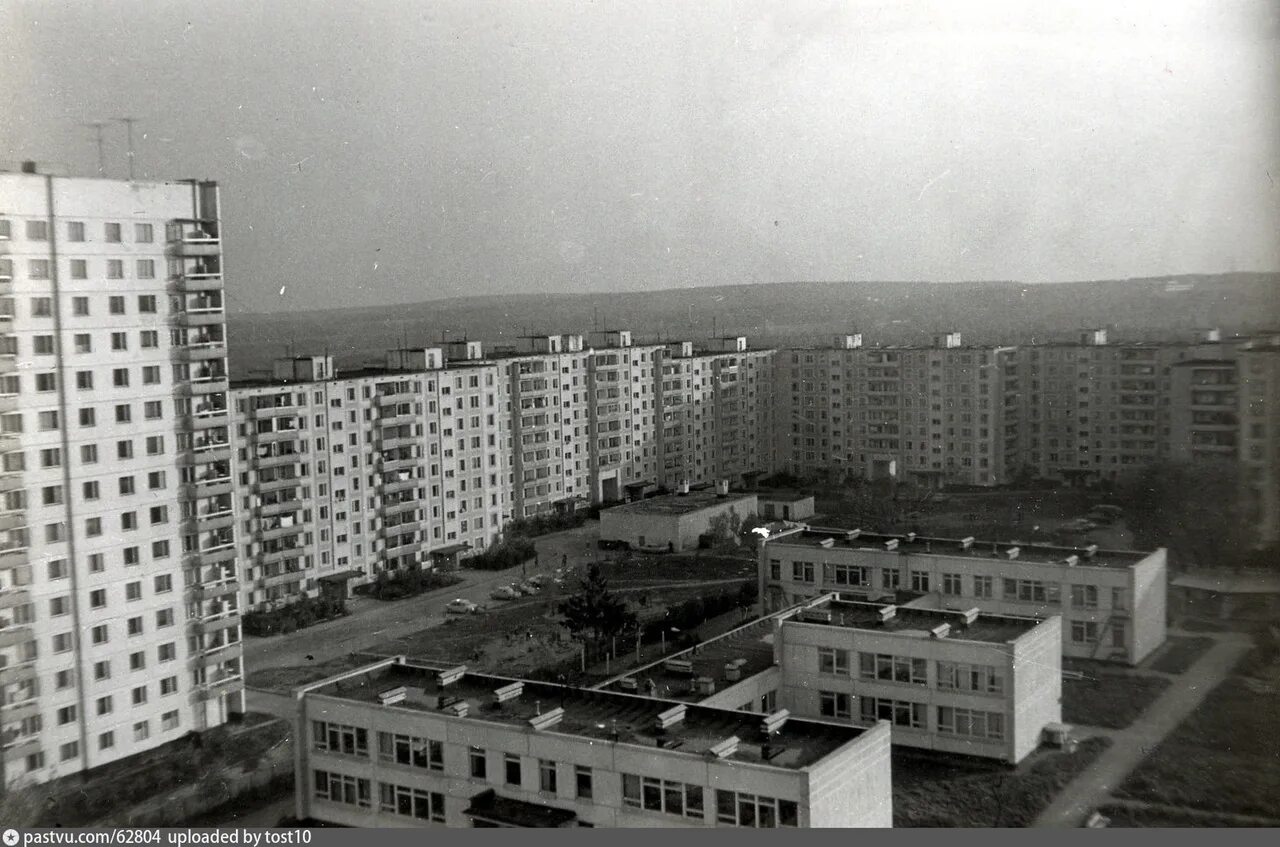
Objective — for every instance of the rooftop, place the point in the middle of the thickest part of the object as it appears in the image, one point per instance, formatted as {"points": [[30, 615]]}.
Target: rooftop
{"points": [[366, 372], [783, 496], [604, 715], [914, 622], [1039, 554], [750, 646], [677, 504]]}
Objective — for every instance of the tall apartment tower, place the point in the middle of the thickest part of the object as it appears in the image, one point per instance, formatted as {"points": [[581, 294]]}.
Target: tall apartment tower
{"points": [[119, 613]]}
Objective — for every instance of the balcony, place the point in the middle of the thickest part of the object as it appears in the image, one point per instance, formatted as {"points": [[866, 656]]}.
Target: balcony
{"points": [[264, 486], [15, 712], [278, 556], [18, 672], [276, 532], [391, 420], [12, 520], [392, 399], [388, 443], [209, 558], [12, 636], [396, 465], [10, 482], [277, 435], [213, 590], [211, 523], [217, 652], [208, 385], [279, 507], [10, 597], [285, 577], [396, 484], [200, 351], [195, 243]]}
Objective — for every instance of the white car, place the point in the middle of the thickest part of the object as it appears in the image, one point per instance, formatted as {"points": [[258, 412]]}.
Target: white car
{"points": [[504, 592], [461, 607]]}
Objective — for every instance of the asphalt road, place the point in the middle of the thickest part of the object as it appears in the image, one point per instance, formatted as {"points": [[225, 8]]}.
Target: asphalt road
{"points": [[373, 621]]}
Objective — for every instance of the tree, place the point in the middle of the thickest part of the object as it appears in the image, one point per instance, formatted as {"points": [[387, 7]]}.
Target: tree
{"points": [[1192, 508], [594, 613]]}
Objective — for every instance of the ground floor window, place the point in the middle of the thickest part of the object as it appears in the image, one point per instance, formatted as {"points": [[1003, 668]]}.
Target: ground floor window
{"points": [[898, 712], [736, 808], [969, 722], [412, 802]]}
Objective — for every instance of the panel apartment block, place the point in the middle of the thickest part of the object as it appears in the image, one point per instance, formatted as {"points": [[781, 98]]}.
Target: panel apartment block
{"points": [[403, 744], [1112, 603], [119, 616]]}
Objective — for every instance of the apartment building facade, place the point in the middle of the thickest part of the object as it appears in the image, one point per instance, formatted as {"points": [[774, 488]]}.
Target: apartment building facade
{"points": [[1112, 603], [405, 744], [119, 592], [1258, 382]]}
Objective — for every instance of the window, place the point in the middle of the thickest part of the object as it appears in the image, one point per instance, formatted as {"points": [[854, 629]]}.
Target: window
{"points": [[775, 570], [410, 750], [150, 339], [951, 584], [890, 579], [981, 679], [833, 704], [411, 802], [124, 413], [39, 269], [662, 795], [1119, 599], [898, 712], [119, 341], [59, 606], [143, 233], [168, 685], [75, 231], [58, 569], [582, 782], [511, 762], [120, 377], [66, 715], [337, 738], [163, 583], [547, 776], [88, 452], [79, 270], [802, 571], [887, 668], [736, 808], [37, 231], [478, 762], [1084, 632], [339, 788], [167, 652], [832, 661], [1084, 596], [126, 486], [919, 580], [155, 445], [47, 421], [102, 670], [69, 751], [982, 587], [169, 720], [106, 740], [134, 626], [80, 307], [971, 723], [141, 730], [1118, 635], [128, 521], [115, 304], [152, 410], [137, 661], [146, 269], [150, 374], [84, 382], [42, 345], [84, 344], [164, 618], [97, 598], [62, 642], [124, 449], [112, 231], [115, 269], [1032, 591], [846, 575]]}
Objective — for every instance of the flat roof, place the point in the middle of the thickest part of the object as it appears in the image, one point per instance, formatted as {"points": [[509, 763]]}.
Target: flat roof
{"points": [[752, 645], [910, 620], [592, 714], [782, 496], [1038, 554], [677, 504], [366, 372]]}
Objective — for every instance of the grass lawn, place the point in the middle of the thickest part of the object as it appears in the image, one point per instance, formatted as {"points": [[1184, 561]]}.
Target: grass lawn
{"points": [[638, 568], [946, 793], [1106, 697], [1224, 758], [284, 680], [1164, 816], [1178, 654]]}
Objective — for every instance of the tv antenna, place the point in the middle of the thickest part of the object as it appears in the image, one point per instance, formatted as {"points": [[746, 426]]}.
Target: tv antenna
{"points": [[97, 127], [128, 124]]}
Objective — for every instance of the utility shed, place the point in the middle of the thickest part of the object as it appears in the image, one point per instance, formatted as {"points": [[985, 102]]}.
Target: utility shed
{"points": [[673, 522]]}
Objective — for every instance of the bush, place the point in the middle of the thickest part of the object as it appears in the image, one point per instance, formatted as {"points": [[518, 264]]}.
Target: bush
{"points": [[294, 616], [395, 585], [547, 523], [502, 556]]}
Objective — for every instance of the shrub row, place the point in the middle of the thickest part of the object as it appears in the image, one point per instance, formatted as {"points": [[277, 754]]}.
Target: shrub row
{"points": [[292, 617], [499, 557], [408, 583]]}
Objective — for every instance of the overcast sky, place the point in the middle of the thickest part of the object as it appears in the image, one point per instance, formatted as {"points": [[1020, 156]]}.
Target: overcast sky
{"points": [[382, 152]]}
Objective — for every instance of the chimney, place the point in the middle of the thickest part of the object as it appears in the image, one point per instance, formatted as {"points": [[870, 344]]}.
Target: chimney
{"points": [[911, 536]]}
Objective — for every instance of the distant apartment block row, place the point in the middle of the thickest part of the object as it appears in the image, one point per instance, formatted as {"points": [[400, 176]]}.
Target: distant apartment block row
{"points": [[989, 415]]}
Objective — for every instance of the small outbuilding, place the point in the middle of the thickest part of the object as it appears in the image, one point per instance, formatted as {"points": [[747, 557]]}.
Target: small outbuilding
{"points": [[673, 522]]}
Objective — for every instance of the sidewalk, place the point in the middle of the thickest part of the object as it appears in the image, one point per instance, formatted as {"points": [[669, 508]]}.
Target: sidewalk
{"points": [[1130, 746]]}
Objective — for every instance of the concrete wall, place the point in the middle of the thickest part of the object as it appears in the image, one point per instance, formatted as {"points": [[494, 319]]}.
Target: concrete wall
{"points": [[853, 787], [660, 530], [1149, 622], [746, 695], [1036, 670]]}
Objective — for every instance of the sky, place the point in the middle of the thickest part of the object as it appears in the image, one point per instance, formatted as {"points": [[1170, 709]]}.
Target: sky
{"points": [[389, 152]]}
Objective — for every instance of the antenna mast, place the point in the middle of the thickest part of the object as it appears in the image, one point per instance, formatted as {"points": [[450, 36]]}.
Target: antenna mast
{"points": [[97, 127]]}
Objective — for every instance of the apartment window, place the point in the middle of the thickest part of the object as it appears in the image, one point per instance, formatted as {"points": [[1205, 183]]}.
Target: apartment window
{"points": [[84, 382], [661, 795], [951, 584], [1084, 596], [151, 375], [62, 642], [115, 304], [583, 787], [833, 704], [106, 740], [833, 662], [88, 452], [124, 413], [887, 668], [120, 377], [124, 449], [97, 598], [511, 763], [1032, 591], [338, 738], [980, 679], [1119, 599], [547, 776], [144, 233], [75, 231], [169, 720], [159, 515], [119, 341], [802, 571], [141, 730], [155, 445], [146, 269], [164, 618], [737, 808], [115, 269], [411, 802], [137, 661], [1118, 635], [167, 652], [775, 570], [95, 563], [134, 626], [39, 269], [47, 421], [80, 307], [150, 339], [898, 712], [920, 581], [37, 230], [890, 579], [971, 723], [101, 671], [340, 788], [112, 233], [79, 270], [410, 750], [133, 591], [163, 583], [152, 410], [128, 521], [130, 556], [69, 751], [66, 715], [58, 569], [479, 765], [168, 685]]}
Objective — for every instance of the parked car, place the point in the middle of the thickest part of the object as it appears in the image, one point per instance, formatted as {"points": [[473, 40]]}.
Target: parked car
{"points": [[517, 589], [461, 607], [537, 580], [504, 592], [529, 587]]}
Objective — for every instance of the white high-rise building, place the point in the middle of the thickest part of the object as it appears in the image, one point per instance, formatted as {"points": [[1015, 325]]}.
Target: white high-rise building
{"points": [[119, 620]]}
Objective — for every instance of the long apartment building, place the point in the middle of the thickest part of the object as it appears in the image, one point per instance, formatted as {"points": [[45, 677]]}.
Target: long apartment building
{"points": [[404, 744], [953, 413], [1112, 603], [340, 476], [968, 682], [119, 595]]}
